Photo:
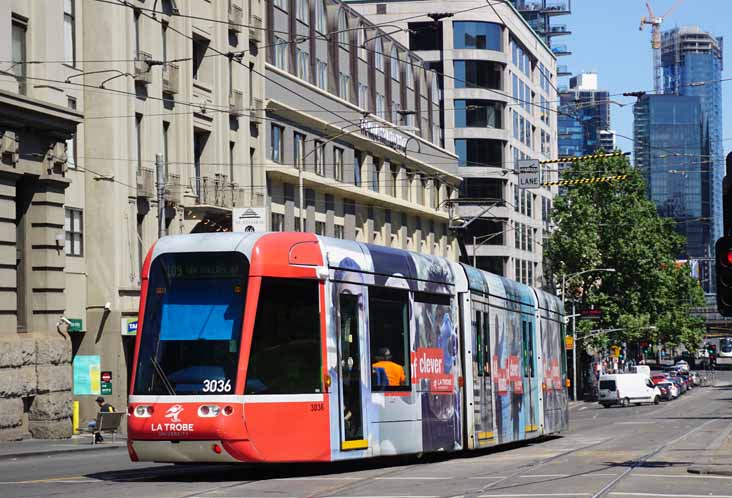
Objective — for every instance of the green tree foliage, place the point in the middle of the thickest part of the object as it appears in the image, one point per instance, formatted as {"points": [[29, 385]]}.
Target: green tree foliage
{"points": [[614, 225]]}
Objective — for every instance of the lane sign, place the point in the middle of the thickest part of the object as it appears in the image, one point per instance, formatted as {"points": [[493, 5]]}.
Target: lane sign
{"points": [[529, 173]]}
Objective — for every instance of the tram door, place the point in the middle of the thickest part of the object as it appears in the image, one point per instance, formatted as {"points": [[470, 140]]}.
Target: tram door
{"points": [[349, 363], [482, 381], [529, 361]]}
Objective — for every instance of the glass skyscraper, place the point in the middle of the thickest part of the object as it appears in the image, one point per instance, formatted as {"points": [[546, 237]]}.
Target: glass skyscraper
{"points": [[669, 137], [583, 120]]}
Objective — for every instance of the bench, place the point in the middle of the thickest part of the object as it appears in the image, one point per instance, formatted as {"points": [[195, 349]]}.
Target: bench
{"points": [[107, 422]]}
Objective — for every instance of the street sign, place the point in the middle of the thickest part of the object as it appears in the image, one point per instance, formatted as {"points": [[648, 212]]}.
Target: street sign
{"points": [[615, 350], [249, 219], [129, 325], [76, 325], [106, 376], [569, 342], [594, 314], [106, 388], [529, 173]]}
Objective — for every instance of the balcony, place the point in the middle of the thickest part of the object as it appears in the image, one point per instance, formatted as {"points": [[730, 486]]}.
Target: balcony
{"points": [[558, 30], [173, 190], [563, 70], [560, 50], [236, 103], [257, 111], [556, 9], [236, 17], [255, 28], [142, 68], [170, 78], [146, 183]]}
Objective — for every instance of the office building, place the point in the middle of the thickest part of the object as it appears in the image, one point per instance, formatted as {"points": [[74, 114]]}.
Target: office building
{"points": [[584, 118], [353, 132], [38, 114], [691, 62], [497, 81], [669, 130]]}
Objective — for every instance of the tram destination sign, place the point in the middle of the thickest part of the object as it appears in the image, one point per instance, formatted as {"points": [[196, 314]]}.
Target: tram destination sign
{"points": [[529, 173]]}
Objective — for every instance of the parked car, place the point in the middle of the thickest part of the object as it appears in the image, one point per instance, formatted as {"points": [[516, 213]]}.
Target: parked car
{"points": [[680, 383], [624, 389], [670, 390], [682, 365], [656, 378]]}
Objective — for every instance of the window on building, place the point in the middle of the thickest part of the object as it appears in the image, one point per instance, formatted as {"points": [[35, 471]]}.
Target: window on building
{"points": [[425, 35], [303, 63], [343, 34], [280, 53], [375, 174], [484, 188], [69, 32], [321, 19], [394, 64], [278, 222], [379, 55], [138, 141], [480, 152], [319, 228], [281, 4], [478, 74], [361, 43], [20, 54], [394, 179], [74, 228], [395, 108], [321, 69], [71, 153], [381, 106], [480, 35], [303, 11], [275, 342], [389, 339], [338, 163], [363, 96], [409, 71], [200, 45], [357, 163], [478, 114], [344, 86], [319, 158], [299, 150], [136, 27], [278, 140]]}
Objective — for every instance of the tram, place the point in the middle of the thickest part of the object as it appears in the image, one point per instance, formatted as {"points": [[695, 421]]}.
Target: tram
{"points": [[291, 347], [725, 348]]}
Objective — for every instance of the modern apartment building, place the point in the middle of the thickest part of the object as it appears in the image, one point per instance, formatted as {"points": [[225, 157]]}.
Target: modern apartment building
{"points": [[38, 114], [584, 120], [353, 132], [669, 134], [181, 80], [540, 15], [497, 82], [691, 62]]}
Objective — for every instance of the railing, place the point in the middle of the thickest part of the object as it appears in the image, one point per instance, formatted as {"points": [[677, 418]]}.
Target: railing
{"points": [[173, 190], [563, 70], [558, 28], [236, 16], [560, 49], [256, 114], [255, 27], [146, 183], [236, 103], [142, 68], [170, 78]]}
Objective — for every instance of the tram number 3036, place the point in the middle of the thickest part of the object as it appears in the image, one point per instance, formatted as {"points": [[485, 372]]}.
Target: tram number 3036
{"points": [[216, 386], [317, 407]]}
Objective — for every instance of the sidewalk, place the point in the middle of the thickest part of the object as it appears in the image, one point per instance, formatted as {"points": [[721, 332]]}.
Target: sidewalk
{"points": [[718, 458], [35, 447]]}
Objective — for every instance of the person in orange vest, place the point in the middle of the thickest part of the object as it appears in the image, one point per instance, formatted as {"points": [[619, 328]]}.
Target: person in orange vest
{"points": [[394, 371]]}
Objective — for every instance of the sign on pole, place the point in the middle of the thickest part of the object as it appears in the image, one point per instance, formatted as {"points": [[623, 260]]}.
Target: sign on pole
{"points": [[569, 342], [249, 219], [529, 173]]}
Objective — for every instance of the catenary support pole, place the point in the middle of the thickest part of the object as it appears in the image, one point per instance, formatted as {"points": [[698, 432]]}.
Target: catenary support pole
{"points": [[160, 167], [574, 352]]}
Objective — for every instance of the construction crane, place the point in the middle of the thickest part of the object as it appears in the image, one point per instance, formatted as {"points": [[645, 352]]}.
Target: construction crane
{"points": [[655, 23]]}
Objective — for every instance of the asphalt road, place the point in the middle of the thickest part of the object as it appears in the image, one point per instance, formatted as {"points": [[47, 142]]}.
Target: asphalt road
{"points": [[617, 452]]}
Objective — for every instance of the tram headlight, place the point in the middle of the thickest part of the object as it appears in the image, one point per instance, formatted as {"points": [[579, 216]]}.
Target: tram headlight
{"points": [[208, 411], [144, 411]]}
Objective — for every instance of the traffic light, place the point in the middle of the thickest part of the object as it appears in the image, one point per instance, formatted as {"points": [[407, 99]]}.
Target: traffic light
{"points": [[723, 267]]}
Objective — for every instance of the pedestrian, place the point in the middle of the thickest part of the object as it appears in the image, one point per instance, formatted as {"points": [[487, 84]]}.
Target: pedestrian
{"points": [[103, 408]]}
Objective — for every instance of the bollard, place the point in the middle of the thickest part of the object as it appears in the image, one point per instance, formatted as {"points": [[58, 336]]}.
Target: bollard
{"points": [[75, 417]]}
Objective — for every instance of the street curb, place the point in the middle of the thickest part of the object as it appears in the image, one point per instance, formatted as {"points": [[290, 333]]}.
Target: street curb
{"points": [[707, 467], [13, 456]]}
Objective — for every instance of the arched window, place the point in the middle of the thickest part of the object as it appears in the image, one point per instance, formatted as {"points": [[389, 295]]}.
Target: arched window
{"points": [[343, 30], [303, 11], [360, 40], [395, 69], [379, 54], [320, 17]]}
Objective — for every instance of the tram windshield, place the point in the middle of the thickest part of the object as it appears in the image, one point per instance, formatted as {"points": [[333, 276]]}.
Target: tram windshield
{"points": [[725, 345], [191, 332]]}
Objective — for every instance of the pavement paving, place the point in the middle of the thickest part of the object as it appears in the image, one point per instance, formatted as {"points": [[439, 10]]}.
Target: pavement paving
{"points": [[641, 451], [37, 447]]}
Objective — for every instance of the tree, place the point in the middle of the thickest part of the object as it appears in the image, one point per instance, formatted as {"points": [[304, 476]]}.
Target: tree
{"points": [[614, 225]]}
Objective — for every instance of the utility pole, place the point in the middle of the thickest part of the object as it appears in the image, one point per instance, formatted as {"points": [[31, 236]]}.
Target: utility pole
{"points": [[160, 167], [574, 351]]}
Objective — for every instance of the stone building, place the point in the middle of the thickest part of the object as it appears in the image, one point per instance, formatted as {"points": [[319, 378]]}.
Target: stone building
{"points": [[38, 114]]}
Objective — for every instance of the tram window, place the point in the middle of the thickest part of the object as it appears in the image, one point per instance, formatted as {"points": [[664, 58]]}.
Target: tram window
{"points": [[486, 346], [425, 297], [389, 339], [530, 349], [285, 351], [563, 349], [479, 341]]}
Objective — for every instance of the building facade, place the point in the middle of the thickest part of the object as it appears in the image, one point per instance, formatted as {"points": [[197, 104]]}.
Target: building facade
{"points": [[584, 120], [540, 15], [691, 62], [497, 82], [353, 137], [38, 114], [669, 130]]}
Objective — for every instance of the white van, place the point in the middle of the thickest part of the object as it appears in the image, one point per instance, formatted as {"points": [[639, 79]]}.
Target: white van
{"points": [[624, 389], [642, 369]]}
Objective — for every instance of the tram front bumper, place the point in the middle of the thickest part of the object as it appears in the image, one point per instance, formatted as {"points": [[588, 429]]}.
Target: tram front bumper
{"points": [[180, 451]]}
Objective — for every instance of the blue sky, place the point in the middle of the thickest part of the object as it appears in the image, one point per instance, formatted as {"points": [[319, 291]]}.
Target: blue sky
{"points": [[605, 39]]}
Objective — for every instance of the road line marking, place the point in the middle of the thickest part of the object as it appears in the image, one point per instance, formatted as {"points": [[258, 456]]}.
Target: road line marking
{"points": [[323, 478], [685, 476], [488, 477], [410, 478], [544, 475], [586, 493], [619, 493], [54, 480]]}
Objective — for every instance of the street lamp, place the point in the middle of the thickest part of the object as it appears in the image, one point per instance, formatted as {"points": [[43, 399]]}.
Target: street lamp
{"points": [[574, 321]]}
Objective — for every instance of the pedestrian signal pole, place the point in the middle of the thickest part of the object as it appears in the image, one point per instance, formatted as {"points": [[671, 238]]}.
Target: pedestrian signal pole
{"points": [[723, 247]]}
